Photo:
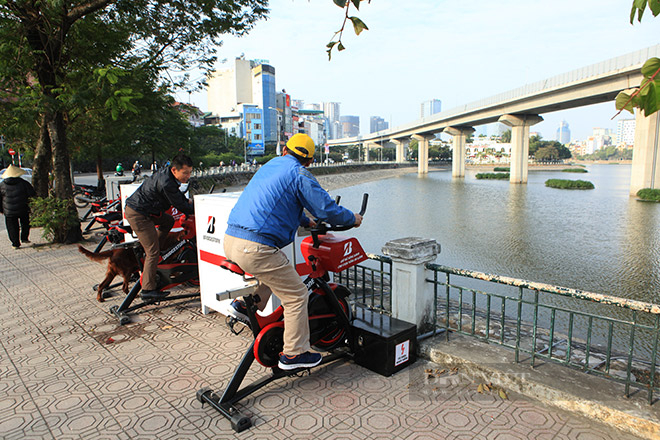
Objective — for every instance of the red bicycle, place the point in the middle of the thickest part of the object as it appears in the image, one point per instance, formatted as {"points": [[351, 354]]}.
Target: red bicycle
{"points": [[330, 317]]}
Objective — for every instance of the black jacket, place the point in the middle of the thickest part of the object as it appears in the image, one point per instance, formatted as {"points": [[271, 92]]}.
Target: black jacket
{"points": [[14, 195], [157, 193]]}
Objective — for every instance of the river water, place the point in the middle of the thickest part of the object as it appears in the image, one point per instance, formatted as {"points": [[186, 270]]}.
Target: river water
{"points": [[599, 240]]}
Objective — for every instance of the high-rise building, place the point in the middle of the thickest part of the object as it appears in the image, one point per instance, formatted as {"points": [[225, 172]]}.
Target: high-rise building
{"points": [[430, 107], [376, 123], [563, 133], [230, 87], [264, 96], [350, 125], [238, 90], [625, 132], [331, 110]]}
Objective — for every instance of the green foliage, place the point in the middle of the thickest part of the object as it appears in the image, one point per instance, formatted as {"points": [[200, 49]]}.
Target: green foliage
{"points": [[358, 25], [547, 150], [649, 194], [569, 184], [609, 153], [493, 176], [505, 169], [263, 159], [646, 96], [506, 137], [574, 170], [55, 216]]}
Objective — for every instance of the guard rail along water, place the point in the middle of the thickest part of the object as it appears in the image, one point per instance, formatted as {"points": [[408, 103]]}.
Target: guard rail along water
{"points": [[608, 336]]}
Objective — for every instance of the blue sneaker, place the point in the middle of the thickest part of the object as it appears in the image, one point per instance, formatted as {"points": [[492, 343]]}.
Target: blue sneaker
{"points": [[304, 360], [238, 310]]}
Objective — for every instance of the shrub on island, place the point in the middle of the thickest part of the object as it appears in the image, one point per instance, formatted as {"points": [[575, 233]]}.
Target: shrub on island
{"points": [[504, 169], [569, 184], [492, 176], [574, 170], [649, 194]]}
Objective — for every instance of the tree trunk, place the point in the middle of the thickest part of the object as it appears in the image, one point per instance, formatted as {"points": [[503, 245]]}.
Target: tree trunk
{"points": [[42, 160], [63, 184], [99, 167]]}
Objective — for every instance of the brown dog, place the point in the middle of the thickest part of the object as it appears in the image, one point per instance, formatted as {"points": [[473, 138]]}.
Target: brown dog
{"points": [[122, 262]]}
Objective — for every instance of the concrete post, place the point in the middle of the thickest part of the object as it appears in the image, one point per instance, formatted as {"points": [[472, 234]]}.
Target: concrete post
{"points": [[646, 153], [519, 144], [459, 135], [412, 296], [400, 157], [422, 152]]}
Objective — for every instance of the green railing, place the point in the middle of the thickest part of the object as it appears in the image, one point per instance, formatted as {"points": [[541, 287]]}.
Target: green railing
{"points": [[371, 283], [604, 335]]}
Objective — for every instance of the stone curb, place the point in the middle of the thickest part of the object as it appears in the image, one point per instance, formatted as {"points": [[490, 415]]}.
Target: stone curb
{"points": [[552, 384]]}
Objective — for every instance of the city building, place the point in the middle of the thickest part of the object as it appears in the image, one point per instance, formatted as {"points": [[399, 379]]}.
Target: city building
{"points": [[625, 132], [376, 123], [331, 110], [237, 92], [285, 118], [350, 125], [430, 107], [264, 96], [312, 122], [563, 133]]}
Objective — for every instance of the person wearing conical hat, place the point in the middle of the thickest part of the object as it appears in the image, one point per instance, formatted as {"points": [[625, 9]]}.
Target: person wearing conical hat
{"points": [[14, 196]]}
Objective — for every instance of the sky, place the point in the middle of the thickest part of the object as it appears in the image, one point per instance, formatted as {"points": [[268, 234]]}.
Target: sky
{"points": [[453, 50]]}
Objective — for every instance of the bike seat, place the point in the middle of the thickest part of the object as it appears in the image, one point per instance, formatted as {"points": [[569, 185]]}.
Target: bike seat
{"points": [[232, 267], [109, 217]]}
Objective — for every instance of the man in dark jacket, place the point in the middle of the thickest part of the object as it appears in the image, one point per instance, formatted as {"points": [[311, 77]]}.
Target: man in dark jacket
{"points": [[14, 195], [145, 209]]}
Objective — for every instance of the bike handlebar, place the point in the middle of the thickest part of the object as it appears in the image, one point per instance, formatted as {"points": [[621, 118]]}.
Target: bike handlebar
{"points": [[323, 227]]}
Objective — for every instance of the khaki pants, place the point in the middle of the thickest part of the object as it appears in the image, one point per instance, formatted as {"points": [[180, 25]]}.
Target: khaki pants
{"points": [[151, 240], [272, 268]]}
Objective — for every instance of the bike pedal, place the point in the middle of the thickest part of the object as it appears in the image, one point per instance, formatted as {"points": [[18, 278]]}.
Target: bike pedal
{"points": [[231, 323]]}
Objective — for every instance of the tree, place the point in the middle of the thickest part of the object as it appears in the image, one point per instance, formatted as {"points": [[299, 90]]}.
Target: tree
{"points": [[46, 44], [645, 97], [557, 151], [506, 137]]}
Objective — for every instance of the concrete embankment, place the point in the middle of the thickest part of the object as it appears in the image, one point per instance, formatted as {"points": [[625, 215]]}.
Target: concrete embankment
{"points": [[593, 397], [330, 178]]}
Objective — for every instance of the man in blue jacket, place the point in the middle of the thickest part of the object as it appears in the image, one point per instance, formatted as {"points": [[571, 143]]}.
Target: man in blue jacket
{"points": [[265, 219]]}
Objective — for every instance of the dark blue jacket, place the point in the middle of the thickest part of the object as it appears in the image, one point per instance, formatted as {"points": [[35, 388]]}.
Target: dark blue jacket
{"points": [[271, 207]]}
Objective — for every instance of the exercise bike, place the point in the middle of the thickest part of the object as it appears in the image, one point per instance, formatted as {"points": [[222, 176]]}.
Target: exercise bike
{"points": [[330, 317], [177, 265]]}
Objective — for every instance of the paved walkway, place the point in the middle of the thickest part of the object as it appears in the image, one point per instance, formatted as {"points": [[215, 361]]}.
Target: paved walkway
{"points": [[69, 371]]}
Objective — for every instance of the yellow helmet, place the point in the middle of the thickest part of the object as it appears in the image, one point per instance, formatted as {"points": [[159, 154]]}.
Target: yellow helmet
{"points": [[301, 145]]}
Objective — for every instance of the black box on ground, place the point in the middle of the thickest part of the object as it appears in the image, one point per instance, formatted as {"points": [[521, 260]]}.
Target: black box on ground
{"points": [[384, 344]]}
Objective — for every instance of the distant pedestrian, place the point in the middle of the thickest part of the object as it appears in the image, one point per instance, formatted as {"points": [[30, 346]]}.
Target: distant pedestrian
{"points": [[154, 167], [14, 196]]}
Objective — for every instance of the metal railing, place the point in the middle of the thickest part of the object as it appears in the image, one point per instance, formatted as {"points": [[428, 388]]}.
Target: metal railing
{"points": [[600, 334], [612, 337], [371, 283]]}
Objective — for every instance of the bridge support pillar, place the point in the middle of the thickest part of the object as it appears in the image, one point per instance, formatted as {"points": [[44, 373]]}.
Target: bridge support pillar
{"points": [[412, 296], [646, 154], [422, 152], [519, 144], [400, 156], [459, 135]]}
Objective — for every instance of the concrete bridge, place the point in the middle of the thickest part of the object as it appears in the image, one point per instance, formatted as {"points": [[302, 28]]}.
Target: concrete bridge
{"points": [[522, 107]]}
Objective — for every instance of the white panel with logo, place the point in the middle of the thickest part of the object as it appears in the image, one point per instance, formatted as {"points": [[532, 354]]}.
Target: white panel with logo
{"points": [[219, 286]]}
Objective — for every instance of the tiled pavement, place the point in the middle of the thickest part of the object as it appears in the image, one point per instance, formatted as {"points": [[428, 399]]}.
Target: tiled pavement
{"points": [[69, 371]]}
